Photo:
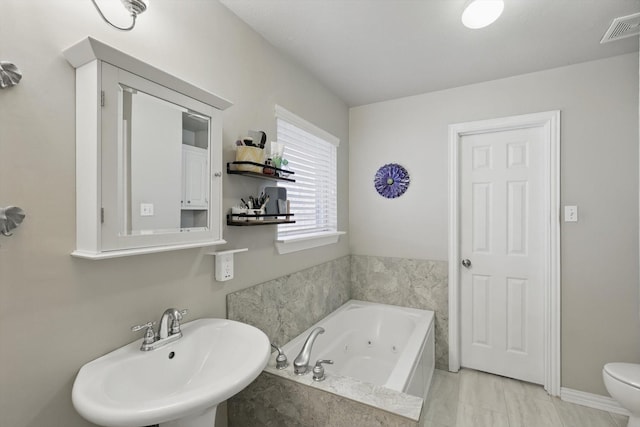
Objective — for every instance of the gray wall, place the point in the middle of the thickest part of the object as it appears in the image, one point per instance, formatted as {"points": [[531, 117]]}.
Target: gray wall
{"points": [[58, 312], [599, 172]]}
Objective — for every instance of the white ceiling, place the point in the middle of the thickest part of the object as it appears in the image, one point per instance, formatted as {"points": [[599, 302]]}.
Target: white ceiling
{"points": [[374, 50]]}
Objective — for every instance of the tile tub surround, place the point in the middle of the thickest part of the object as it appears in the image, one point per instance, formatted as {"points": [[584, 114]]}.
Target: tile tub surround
{"points": [[283, 399], [285, 307], [410, 283]]}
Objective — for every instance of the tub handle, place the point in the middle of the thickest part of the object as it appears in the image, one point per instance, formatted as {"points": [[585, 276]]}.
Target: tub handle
{"points": [[281, 358], [318, 370]]}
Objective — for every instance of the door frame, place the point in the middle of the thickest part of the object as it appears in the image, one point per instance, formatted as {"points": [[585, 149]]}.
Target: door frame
{"points": [[550, 122]]}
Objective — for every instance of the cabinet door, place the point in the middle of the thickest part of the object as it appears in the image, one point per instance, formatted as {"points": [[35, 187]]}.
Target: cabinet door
{"points": [[149, 185], [195, 178]]}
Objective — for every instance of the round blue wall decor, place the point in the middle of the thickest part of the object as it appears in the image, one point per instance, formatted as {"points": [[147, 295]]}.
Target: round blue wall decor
{"points": [[391, 180]]}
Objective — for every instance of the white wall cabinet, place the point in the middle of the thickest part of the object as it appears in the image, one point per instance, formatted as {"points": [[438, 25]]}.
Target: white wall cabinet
{"points": [[129, 198]]}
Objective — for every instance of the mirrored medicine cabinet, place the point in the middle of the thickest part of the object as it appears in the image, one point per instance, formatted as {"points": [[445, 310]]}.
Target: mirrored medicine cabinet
{"points": [[148, 157]]}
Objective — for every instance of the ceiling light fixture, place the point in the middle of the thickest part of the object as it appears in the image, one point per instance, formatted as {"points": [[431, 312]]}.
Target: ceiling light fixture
{"points": [[135, 7], [481, 13]]}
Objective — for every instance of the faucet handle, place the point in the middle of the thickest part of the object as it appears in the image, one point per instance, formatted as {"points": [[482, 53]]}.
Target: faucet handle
{"points": [[175, 323], [147, 325], [149, 335], [281, 358], [318, 370]]}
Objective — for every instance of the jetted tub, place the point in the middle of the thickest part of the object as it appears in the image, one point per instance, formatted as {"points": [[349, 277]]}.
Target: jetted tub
{"points": [[381, 344]]}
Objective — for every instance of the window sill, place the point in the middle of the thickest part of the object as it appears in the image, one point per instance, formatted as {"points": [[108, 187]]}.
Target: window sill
{"points": [[308, 241]]}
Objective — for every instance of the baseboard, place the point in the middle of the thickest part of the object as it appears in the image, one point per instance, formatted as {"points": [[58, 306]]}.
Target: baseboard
{"points": [[604, 403]]}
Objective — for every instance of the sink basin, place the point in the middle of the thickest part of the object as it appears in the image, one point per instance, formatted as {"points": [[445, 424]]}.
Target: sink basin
{"points": [[186, 379]]}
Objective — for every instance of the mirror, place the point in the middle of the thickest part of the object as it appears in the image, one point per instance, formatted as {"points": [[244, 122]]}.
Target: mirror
{"points": [[165, 165], [159, 149]]}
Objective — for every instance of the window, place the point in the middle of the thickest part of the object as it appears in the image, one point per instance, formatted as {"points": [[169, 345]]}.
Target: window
{"points": [[312, 155]]}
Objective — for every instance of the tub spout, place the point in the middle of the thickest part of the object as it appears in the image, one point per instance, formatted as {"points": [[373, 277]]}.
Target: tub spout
{"points": [[301, 363]]}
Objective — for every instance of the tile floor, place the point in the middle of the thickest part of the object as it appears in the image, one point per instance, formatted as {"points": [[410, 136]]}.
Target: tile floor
{"points": [[477, 399]]}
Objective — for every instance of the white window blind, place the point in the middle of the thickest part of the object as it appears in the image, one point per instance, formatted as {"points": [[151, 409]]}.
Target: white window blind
{"points": [[311, 153]]}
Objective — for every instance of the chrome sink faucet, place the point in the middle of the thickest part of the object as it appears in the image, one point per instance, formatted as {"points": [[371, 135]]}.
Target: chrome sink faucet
{"points": [[301, 363], [166, 332], [176, 316]]}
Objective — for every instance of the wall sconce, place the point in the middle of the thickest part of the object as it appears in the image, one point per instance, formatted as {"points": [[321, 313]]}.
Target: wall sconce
{"points": [[135, 7]]}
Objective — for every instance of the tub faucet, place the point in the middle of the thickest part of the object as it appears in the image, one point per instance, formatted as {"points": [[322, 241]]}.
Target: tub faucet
{"points": [[301, 363]]}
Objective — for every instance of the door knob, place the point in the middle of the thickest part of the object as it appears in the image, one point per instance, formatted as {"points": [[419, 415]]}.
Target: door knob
{"points": [[466, 263]]}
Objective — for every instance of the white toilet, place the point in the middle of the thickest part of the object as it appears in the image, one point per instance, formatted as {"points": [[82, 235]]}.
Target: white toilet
{"points": [[623, 384]]}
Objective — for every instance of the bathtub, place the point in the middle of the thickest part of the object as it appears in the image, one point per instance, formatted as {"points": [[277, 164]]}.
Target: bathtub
{"points": [[379, 344]]}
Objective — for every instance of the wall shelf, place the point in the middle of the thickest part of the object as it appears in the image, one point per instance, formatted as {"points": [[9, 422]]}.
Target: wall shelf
{"points": [[232, 170], [264, 219], [249, 220], [226, 251]]}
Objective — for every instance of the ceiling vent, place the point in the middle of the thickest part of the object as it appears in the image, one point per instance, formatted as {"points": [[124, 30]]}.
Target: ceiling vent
{"points": [[623, 27]]}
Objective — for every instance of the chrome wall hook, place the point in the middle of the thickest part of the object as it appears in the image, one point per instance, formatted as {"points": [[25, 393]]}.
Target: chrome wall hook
{"points": [[10, 218]]}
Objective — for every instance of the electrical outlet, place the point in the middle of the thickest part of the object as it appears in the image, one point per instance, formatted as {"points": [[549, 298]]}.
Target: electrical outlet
{"points": [[224, 267], [570, 214], [224, 263]]}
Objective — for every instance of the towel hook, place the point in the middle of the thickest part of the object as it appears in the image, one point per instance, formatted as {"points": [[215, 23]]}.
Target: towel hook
{"points": [[10, 217], [10, 74]]}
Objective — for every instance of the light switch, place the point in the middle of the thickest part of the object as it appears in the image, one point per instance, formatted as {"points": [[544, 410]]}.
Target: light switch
{"points": [[570, 214], [146, 209]]}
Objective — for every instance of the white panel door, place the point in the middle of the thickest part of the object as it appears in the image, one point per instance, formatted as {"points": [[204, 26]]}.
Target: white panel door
{"points": [[501, 237]]}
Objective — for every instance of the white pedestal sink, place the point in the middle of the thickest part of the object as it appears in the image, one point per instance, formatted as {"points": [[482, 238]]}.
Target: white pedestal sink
{"points": [[206, 419], [177, 385]]}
